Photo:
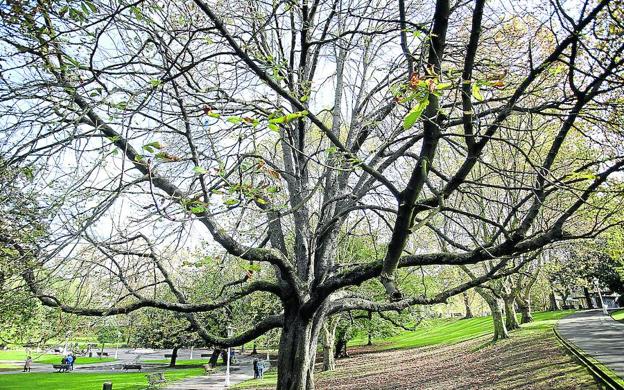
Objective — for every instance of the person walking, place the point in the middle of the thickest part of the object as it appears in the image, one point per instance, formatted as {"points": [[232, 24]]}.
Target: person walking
{"points": [[260, 369], [27, 364], [255, 368]]}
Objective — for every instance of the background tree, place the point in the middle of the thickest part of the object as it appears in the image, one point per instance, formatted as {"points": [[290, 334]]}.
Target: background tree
{"points": [[163, 330]]}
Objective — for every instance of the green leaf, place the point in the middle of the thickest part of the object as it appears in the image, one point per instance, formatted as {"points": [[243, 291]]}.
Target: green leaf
{"points": [[289, 117], [476, 92], [198, 207], [152, 146], [155, 83], [91, 6], [415, 114], [235, 119], [230, 202], [273, 127], [199, 170], [443, 86], [251, 267]]}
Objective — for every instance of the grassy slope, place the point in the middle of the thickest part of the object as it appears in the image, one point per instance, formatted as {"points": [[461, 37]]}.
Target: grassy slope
{"points": [[437, 332], [79, 381], [47, 358], [451, 331]]}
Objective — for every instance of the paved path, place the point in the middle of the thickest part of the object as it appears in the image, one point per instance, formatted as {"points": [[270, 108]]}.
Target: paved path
{"points": [[241, 372], [598, 335]]}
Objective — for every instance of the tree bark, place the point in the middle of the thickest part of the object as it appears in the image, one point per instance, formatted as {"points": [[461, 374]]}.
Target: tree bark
{"points": [[174, 356], [329, 337], [590, 303], [467, 305], [214, 357], [525, 310], [500, 330], [511, 321], [297, 352], [554, 306], [341, 345]]}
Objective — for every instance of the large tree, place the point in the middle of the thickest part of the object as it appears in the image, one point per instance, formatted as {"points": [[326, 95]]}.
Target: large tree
{"points": [[279, 128]]}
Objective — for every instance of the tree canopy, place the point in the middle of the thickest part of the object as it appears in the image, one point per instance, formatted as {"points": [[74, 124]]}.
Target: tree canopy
{"points": [[254, 139]]}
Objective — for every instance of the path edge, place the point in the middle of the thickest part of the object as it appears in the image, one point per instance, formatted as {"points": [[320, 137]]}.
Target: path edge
{"points": [[600, 375]]}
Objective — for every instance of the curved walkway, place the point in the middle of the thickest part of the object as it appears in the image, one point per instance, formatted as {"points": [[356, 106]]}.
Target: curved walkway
{"points": [[216, 381], [597, 335]]}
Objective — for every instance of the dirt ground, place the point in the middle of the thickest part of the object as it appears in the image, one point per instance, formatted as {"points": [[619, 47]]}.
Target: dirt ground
{"points": [[529, 360]]}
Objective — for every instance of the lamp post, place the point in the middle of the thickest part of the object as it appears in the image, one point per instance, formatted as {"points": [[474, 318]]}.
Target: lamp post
{"points": [[602, 305], [227, 364]]}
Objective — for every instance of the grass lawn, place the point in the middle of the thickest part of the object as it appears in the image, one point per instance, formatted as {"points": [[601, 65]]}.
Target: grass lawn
{"points": [[79, 381], [17, 355], [444, 334], [451, 331], [618, 315]]}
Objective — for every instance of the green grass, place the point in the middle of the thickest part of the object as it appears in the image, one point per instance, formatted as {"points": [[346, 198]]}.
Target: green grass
{"points": [[269, 380], [48, 358], [618, 315], [79, 381], [452, 331]]}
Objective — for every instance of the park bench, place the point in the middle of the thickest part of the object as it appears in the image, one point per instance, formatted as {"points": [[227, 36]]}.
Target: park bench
{"points": [[205, 355], [132, 367], [61, 367], [102, 353], [168, 356], [154, 380]]}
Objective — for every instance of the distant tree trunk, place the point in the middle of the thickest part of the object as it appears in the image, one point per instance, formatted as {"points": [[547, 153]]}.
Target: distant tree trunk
{"points": [[590, 303], [500, 330], [174, 356], [467, 305], [369, 332], [255, 351], [214, 357], [328, 339], [524, 304], [554, 305], [341, 344], [511, 321]]}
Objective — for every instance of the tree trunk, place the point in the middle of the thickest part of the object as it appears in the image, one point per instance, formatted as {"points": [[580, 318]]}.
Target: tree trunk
{"points": [[590, 303], [174, 356], [297, 352], [511, 321], [525, 310], [329, 337], [370, 339], [467, 305], [500, 330], [341, 345], [554, 305], [214, 357], [255, 351]]}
